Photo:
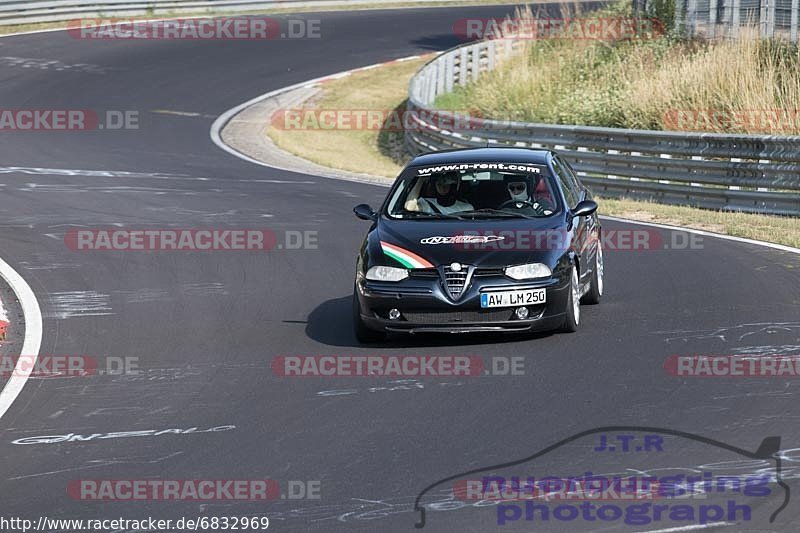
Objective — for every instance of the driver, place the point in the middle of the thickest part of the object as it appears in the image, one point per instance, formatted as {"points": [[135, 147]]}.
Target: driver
{"points": [[445, 200], [520, 196], [518, 190]]}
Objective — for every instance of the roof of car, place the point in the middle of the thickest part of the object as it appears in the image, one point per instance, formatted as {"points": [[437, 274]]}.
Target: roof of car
{"points": [[482, 155]]}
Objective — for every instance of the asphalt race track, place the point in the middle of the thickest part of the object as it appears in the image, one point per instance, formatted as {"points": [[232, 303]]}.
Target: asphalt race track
{"points": [[206, 326]]}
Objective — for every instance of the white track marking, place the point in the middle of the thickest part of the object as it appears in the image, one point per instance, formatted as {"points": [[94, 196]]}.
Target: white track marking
{"points": [[781, 247], [33, 336], [223, 119]]}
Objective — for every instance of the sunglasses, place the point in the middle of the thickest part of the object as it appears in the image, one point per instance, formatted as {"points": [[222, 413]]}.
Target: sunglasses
{"points": [[516, 187]]}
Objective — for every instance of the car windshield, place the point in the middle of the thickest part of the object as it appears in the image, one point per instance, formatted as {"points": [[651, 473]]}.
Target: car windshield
{"points": [[474, 191]]}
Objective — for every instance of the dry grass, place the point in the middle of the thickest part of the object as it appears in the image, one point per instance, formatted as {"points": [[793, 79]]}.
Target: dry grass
{"points": [[366, 151], [642, 83], [781, 230]]}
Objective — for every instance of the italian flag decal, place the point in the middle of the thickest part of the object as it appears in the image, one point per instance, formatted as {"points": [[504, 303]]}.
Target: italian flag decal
{"points": [[404, 257]]}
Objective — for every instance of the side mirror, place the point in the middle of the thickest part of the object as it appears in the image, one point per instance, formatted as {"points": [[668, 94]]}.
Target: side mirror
{"points": [[365, 212], [584, 208]]}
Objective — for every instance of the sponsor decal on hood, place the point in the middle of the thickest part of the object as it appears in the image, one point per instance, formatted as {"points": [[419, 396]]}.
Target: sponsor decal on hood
{"points": [[462, 239]]}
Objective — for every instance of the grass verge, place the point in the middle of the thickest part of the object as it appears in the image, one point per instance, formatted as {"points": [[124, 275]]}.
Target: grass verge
{"points": [[371, 151], [656, 81], [376, 152]]}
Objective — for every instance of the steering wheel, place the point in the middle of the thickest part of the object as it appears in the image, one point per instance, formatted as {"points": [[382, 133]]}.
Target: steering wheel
{"points": [[509, 203]]}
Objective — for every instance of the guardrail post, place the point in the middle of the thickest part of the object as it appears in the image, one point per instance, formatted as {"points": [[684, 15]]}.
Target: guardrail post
{"points": [[766, 15], [449, 71], [441, 76], [431, 88], [490, 55], [463, 74], [691, 18], [793, 26], [713, 5], [735, 19]]}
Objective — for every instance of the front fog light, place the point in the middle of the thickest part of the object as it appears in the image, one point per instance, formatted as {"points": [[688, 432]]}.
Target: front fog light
{"points": [[394, 314], [522, 313], [528, 271]]}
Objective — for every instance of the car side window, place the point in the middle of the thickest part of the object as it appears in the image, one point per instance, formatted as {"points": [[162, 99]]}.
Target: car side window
{"points": [[570, 193], [573, 177]]}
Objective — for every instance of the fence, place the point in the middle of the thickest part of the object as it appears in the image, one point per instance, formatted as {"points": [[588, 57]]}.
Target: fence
{"points": [[727, 18], [750, 173]]}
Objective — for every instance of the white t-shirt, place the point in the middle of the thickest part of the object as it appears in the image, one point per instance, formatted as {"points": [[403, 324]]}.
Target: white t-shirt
{"points": [[426, 203]]}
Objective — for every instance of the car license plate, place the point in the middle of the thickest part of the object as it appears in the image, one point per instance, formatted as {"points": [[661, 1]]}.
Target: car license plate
{"points": [[513, 298]]}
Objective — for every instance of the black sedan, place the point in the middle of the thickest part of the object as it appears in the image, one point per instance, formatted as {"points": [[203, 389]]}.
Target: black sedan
{"points": [[485, 239]]}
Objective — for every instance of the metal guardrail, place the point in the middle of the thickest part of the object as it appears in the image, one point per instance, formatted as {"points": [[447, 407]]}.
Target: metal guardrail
{"points": [[34, 11], [752, 173], [728, 18]]}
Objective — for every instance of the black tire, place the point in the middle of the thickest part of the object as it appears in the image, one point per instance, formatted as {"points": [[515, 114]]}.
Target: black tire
{"points": [[364, 335], [573, 314], [596, 287]]}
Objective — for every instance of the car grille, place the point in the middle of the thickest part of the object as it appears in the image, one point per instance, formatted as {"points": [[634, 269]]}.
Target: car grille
{"points": [[489, 272], [443, 317], [455, 282]]}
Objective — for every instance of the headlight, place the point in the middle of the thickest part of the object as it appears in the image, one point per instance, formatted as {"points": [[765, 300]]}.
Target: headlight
{"points": [[384, 273], [529, 271]]}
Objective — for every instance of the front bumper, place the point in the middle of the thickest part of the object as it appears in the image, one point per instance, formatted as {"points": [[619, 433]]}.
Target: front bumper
{"points": [[426, 307]]}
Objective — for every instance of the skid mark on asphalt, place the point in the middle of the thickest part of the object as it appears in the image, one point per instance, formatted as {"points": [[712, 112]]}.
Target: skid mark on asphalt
{"points": [[230, 215], [51, 64], [148, 295], [394, 385], [783, 349], [39, 171], [182, 113], [735, 333], [47, 261], [204, 289], [100, 463], [142, 295], [116, 189], [71, 304]]}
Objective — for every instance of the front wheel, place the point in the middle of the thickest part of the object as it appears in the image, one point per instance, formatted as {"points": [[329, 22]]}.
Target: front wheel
{"points": [[573, 317], [596, 287], [364, 335]]}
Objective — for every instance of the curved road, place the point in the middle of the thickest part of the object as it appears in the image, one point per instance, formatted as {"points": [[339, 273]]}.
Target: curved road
{"points": [[205, 327]]}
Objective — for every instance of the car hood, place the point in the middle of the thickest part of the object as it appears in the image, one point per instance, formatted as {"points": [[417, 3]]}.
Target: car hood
{"points": [[482, 243]]}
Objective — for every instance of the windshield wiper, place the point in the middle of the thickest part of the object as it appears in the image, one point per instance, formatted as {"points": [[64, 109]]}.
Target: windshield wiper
{"points": [[422, 214], [494, 212]]}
